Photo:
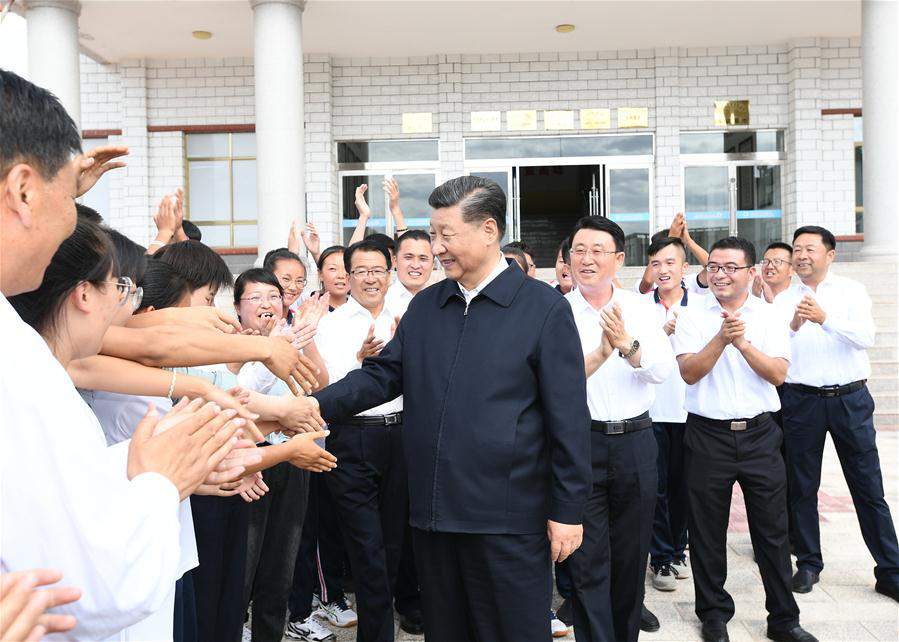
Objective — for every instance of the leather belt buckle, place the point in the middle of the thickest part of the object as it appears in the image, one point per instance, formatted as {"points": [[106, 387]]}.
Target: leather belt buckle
{"points": [[830, 391], [391, 420], [737, 426], [615, 427]]}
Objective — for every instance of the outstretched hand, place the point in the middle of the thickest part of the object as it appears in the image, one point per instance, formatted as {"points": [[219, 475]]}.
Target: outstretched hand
{"points": [[97, 162]]}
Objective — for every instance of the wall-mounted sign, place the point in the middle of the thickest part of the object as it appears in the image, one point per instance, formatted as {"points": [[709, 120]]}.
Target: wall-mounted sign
{"points": [[521, 120], [421, 122], [731, 112], [596, 118], [553, 120], [486, 121], [633, 117]]}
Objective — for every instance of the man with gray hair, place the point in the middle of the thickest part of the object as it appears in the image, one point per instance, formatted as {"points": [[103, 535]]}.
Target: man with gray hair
{"points": [[496, 426]]}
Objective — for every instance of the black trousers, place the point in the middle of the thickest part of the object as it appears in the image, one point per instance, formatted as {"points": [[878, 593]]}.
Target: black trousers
{"points": [[564, 583], [484, 588], [221, 529], [669, 529], [610, 566], [276, 524], [185, 629], [716, 459], [407, 593], [319, 562], [850, 420], [370, 491]]}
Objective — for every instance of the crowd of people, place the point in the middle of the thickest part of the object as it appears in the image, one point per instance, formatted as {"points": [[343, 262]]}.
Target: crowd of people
{"points": [[438, 448]]}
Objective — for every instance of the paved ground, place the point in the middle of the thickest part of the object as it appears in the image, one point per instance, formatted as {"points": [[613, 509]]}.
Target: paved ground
{"points": [[842, 607]]}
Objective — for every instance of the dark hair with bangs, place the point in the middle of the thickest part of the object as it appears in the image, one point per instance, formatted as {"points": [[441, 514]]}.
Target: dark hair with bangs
{"points": [[164, 287], [86, 256], [198, 263], [334, 249], [130, 258], [254, 275]]}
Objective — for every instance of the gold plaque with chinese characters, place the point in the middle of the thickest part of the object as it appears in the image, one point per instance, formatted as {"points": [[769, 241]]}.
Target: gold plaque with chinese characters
{"points": [[633, 117], [731, 112], [553, 120], [521, 120], [421, 122], [486, 121], [596, 118]]}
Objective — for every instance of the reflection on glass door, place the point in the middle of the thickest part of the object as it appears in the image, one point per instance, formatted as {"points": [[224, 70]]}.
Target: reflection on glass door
{"points": [[503, 178], [374, 196], [707, 206], [758, 204], [415, 188], [629, 207]]}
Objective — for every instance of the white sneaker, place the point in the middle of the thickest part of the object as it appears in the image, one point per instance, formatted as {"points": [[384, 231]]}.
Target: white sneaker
{"points": [[681, 569], [664, 579], [337, 613], [558, 627], [309, 630]]}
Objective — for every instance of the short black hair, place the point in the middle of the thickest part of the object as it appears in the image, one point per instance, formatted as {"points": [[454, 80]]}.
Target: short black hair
{"points": [[89, 213], [383, 239], [827, 237], [518, 254], [85, 256], [281, 254], [521, 245], [130, 258], [191, 231], [660, 244], [366, 245], [600, 224], [254, 275], [779, 245], [565, 251], [412, 235], [328, 251], [198, 263], [34, 128], [736, 243], [661, 234], [164, 287], [479, 198]]}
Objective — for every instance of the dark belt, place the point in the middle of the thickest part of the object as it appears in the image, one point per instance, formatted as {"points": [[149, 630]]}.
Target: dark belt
{"points": [[830, 391], [375, 420], [737, 425], [641, 422]]}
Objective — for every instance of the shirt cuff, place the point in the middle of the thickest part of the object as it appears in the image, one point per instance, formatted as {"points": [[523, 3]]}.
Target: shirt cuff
{"points": [[158, 488]]}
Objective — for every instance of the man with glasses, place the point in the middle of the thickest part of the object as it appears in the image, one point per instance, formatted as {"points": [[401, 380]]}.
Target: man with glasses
{"points": [[776, 275], [826, 390], [733, 349], [370, 490]]}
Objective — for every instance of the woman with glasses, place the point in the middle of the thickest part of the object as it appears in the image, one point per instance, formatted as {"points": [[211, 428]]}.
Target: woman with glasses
{"points": [[290, 271]]}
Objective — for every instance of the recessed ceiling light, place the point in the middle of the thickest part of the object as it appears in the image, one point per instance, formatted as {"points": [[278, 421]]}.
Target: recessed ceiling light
{"points": [[202, 35], [565, 28]]}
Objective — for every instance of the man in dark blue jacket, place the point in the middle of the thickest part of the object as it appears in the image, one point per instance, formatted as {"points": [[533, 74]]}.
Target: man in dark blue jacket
{"points": [[496, 426]]}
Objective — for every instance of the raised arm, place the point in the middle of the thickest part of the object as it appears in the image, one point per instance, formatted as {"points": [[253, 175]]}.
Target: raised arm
{"points": [[392, 188], [364, 214]]}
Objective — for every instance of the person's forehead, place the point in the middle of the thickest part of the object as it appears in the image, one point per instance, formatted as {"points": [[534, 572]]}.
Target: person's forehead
{"points": [[258, 286], [776, 252], [447, 217], [416, 246], [587, 236], [727, 255], [808, 239], [667, 252], [368, 257], [287, 266], [333, 259]]}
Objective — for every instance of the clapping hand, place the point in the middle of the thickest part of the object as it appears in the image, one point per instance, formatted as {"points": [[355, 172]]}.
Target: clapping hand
{"points": [[809, 310], [671, 324], [613, 326], [392, 189], [95, 163], [361, 205], [371, 347], [760, 288], [734, 329], [311, 240], [23, 604]]}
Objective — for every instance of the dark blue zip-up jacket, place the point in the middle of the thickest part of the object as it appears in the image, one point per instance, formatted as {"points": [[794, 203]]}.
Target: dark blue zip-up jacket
{"points": [[496, 426]]}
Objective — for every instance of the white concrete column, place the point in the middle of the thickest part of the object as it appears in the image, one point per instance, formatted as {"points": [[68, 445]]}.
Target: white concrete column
{"points": [[280, 155], [53, 61], [879, 78]]}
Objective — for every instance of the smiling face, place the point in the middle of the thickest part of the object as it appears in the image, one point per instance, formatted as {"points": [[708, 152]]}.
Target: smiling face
{"points": [[292, 276], [730, 287], [414, 263], [667, 267], [259, 303], [811, 258], [369, 278], [333, 276], [594, 259], [776, 268], [468, 251], [563, 274]]}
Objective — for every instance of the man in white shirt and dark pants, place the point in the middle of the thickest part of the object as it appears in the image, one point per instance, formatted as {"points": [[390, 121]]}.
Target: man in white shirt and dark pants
{"points": [[825, 390], [626, 354], [370, 490], [733, 349]]}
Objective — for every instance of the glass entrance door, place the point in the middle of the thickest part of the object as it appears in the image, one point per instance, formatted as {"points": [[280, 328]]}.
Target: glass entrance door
{"points": [[707, 206], [758, 204], [628, 205]]}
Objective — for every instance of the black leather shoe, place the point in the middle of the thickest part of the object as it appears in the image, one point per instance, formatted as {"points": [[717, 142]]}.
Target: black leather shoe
{"points": [[565, 614], [890, 590], [804, 580], [796, 634], [412, 623], [714, 631], [649, 623]]}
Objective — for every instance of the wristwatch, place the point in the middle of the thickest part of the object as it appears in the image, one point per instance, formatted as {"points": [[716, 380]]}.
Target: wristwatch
{"points": [[630, 353]]}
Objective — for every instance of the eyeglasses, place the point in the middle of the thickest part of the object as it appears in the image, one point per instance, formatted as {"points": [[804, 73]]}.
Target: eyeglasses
{"points": [[300, 281], [258, 299], [714, 268], [127, 291], [361, 273], [595, 253], [775, 262]]}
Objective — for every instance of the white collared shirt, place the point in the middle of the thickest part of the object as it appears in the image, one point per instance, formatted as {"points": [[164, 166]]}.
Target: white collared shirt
{"points": [[833, 353], [732, 389], [398, 297], [340, 336], [668, 406], [117, 540], [617, 390], [476, 290]]}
